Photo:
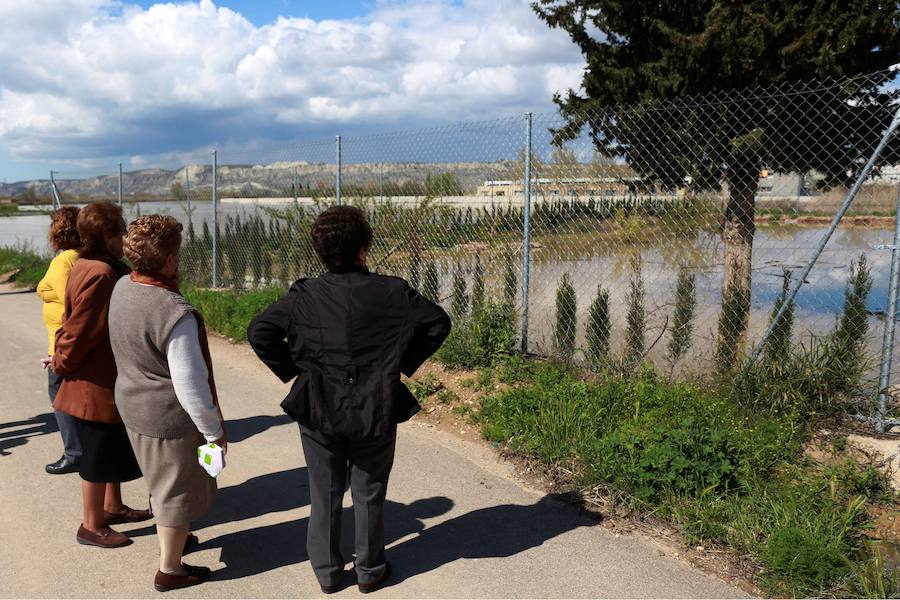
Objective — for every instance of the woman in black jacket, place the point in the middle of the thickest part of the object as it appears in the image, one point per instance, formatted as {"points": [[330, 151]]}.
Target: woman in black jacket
{"points": [[346, 336]]}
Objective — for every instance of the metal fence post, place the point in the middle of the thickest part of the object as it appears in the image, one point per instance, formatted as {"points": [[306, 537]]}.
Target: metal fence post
{"points": [[337, 174], [54, 194], [187, 193], [848, 200], [526, 243], [887, 348], [215, 219], [119, 191]]}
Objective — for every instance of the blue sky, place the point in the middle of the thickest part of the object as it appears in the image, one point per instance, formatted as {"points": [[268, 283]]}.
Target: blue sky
{"points": [[86, 84], [264, 12]]}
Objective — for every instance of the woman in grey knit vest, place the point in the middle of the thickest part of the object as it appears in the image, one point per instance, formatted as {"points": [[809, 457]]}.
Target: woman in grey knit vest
{"points": [[165, 391]]}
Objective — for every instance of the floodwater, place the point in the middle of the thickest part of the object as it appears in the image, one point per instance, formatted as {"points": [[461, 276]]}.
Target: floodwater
{"points": [[597, 259]]}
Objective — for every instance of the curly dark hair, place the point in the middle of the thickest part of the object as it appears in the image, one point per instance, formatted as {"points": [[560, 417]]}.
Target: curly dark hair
{"points": [[63, 229], [149, 240], [338, 234], [96, 223]]}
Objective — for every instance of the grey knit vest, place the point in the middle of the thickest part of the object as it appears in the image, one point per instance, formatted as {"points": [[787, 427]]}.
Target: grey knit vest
{"points": [[141, 318]]}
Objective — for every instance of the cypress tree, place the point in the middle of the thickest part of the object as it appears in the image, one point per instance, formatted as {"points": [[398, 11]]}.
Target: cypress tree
{"points": [[477, 287], [683, 321], [430, 283], [637, 318], [598, 330], [566, 319], [460, 302]]}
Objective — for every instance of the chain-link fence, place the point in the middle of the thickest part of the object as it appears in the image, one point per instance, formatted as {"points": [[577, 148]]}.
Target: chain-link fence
{"points": [[665, 232]]}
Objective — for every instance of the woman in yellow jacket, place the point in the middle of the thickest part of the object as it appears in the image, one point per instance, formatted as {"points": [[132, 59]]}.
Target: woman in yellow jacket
{"points": [[51, 289]]}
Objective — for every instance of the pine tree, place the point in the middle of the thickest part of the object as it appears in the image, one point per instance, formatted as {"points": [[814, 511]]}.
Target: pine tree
{"points": [[639, 54]]}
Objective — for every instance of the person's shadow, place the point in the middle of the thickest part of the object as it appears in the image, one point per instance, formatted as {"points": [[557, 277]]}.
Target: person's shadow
{"points": [[242, 429], [270, 493], [17, 433], [492, 532], [496, 531], [254, 551]]}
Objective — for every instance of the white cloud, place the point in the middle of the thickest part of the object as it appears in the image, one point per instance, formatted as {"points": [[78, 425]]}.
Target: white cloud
{"points": [[101, 77]]}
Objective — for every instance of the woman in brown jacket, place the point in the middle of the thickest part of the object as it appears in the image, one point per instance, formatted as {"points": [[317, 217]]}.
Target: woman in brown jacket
{"points": [[83, 356]]}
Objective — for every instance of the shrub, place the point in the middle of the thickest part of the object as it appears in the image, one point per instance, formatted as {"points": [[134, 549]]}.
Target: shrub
{"points": [[683, 321], [818, 377], [599, 328], [482, 341], [566, 319], [424, 387]]}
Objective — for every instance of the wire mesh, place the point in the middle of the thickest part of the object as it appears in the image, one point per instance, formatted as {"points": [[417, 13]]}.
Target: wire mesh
{"points": [[661, 232]]}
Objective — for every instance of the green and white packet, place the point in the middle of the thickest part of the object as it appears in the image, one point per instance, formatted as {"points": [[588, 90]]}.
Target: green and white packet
{"points": [[212, 458]]}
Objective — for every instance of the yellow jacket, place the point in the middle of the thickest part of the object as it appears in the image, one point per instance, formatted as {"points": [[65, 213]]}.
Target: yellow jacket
{"points": [[52, 290]]}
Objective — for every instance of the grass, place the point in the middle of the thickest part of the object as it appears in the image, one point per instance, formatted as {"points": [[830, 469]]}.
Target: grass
{"points": [[229, 312], [696, 457], [31, 266]]}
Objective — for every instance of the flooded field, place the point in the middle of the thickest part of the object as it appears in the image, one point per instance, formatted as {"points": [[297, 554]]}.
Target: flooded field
{"points": [[603, 257]]}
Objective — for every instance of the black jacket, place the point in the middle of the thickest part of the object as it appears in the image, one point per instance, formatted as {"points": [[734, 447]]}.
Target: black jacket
{"points": [[347, 337]]}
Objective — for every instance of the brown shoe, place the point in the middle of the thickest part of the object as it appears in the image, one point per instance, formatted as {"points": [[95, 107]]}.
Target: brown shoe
{"points": [[105, 538], [129, 515], [164, 582], [367, 588]]}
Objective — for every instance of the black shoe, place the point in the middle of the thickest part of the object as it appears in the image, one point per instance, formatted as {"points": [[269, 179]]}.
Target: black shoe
{"points": [[367, 588], [62, 466]]}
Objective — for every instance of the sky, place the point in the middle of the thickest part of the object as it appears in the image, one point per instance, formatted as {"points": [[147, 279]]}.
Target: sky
{"points": [[85, 84]]}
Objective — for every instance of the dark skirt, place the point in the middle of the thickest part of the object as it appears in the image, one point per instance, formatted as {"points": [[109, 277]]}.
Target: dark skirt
{"points": [[106, 454]]}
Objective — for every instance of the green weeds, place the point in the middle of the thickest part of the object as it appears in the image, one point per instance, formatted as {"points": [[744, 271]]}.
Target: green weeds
{"points": [[693, 455], [230, 312], [30, 265]]}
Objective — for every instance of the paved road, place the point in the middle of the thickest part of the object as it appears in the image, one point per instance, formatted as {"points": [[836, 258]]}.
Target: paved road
{"points": [[458, 524]]}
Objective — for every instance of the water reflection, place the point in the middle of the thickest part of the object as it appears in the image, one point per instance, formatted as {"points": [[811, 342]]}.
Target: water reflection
{"points": [[602, 257]]}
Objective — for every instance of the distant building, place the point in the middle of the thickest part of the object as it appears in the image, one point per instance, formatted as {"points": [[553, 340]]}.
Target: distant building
{"points": [[586, 187], [887, 176], [772, 183]]}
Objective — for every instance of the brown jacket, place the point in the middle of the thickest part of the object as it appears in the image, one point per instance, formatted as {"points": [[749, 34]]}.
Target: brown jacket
{"points": [[83, 354]]}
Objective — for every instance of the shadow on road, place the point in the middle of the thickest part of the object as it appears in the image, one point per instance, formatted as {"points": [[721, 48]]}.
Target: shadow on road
{"points": [[493, 532], [258, 496], [242, 429], [17, 433]]}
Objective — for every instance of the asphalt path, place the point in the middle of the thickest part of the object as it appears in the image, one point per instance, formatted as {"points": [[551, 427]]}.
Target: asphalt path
{"points": [[458, 523]]}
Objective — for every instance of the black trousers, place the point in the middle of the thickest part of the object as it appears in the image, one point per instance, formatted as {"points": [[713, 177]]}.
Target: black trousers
{"points": [[329, 461]]}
